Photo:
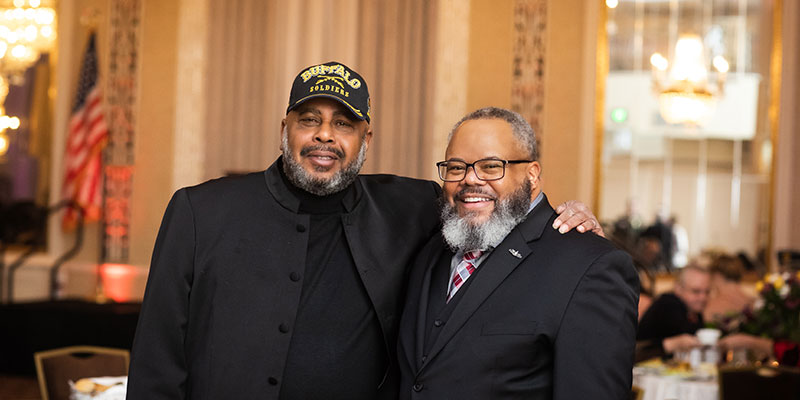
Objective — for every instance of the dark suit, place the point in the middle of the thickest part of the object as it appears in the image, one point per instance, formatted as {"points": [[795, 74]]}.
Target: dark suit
{"points": [[226, 278], [555, 321]]}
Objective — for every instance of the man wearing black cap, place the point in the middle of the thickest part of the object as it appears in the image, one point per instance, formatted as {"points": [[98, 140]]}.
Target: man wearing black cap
{"points": [[287, 283]]}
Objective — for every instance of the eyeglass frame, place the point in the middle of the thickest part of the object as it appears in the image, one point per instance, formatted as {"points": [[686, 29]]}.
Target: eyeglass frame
{"points": [[468, 165]]}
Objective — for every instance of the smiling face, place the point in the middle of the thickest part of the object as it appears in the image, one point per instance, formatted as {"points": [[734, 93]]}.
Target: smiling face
{"points": [[324, 145], [478, 139]]}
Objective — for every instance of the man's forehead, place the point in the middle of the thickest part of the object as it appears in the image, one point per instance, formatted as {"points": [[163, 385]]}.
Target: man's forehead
{"points": [[495, 125], [492, 138], [317, 106], [698, 281]]}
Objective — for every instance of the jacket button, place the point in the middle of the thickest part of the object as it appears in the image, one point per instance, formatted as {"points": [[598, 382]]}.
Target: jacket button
{"points": [[301, 228], [417, 387], [272, 381], [424, 358], [437, 323], [283, 328], [295, 276]]}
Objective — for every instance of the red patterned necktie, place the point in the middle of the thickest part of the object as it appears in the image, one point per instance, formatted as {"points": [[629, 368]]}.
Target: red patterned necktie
{"points": [[462, 272]]}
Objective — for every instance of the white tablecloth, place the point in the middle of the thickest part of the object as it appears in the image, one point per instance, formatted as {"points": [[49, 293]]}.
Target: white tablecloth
{"points": [[117, 386], [673, 387]]}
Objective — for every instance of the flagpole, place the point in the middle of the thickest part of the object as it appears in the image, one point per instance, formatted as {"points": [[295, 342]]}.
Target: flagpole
{"points": [[100, 294], [89, 20]]}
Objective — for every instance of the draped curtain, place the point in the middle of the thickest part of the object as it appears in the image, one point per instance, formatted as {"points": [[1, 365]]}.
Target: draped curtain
{"points": [[255, 48]]}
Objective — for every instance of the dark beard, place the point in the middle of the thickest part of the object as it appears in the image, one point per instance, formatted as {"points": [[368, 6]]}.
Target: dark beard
{"points": [[299, 177], [462, 234]]}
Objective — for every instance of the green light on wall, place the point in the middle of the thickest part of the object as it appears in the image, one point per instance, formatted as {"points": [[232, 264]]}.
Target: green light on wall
{"points": [[619, 115]]}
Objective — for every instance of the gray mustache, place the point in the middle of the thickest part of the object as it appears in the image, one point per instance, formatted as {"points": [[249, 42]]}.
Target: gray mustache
{"points": [[471, 191], [309, 149]]}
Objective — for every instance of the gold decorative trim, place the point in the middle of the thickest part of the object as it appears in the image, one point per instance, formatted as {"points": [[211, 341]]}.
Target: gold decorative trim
{"points": [[773, 114], [601, 72]]}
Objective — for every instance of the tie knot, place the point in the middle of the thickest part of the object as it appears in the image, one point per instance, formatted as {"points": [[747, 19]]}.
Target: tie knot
{"points": [[472, 255]]}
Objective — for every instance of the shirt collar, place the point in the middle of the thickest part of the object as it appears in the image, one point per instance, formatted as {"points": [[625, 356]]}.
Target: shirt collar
{"points": [[282, 194]]}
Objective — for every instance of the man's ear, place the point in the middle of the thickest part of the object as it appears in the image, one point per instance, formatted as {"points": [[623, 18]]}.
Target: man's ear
{"points": [[368, 136], [534, 172], [283, 129]]}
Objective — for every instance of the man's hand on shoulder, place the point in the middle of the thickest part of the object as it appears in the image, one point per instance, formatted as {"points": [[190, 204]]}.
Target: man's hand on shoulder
{"points": [[573, 214]]}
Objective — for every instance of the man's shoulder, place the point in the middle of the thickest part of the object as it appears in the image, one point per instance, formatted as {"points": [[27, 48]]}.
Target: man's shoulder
{"points": [[537, 229], [230, 181], [395, 182], [667, 300], [586, 244], [394, 189], [228, 188]]}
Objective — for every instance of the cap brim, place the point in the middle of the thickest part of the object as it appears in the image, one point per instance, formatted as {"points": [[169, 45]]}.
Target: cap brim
{"points": [[356, 113]]}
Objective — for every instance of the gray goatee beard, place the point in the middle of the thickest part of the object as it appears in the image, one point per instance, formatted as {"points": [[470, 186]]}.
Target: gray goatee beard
{"points": [[299, 177], [461, 233]]}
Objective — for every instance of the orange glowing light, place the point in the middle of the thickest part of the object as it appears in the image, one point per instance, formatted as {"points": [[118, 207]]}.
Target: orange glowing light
{"points": [[118, 281]]}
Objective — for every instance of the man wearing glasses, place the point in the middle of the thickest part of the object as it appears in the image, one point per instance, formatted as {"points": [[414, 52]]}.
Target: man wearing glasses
{"points": [[499, 306], [287, 283]]}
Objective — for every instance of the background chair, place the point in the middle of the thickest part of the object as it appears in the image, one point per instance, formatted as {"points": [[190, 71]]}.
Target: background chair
{"points": [[763, 383], [636, 393], [55, 368]]}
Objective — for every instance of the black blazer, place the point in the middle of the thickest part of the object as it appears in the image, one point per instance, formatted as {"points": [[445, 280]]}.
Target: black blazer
{"points": [[548, 316], [226, 276]]}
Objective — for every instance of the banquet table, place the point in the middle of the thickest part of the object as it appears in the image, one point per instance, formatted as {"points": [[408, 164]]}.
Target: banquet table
{"points": [[675, 387]]}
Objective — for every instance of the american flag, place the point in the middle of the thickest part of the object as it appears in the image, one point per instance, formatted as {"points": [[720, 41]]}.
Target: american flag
{"points": [[85, 141]]}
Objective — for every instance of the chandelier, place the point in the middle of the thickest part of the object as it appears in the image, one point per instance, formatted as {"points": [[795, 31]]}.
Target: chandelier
{"points": [[6, 122], [27, 29], [685, 95]]}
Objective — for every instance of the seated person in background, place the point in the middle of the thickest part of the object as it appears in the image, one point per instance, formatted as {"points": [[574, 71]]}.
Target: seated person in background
{"points": [[727, 294], [647, 253], [671, 321]]}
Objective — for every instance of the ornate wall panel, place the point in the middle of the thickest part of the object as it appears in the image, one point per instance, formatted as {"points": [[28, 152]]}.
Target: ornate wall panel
{"points": [[527, 87], [120, 95]]}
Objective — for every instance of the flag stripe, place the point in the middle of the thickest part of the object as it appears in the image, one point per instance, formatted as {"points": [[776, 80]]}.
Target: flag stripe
{"points": [[86, 138]]}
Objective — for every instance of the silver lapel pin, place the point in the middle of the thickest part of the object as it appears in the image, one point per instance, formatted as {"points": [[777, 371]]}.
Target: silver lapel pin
{"points": [[515, 253]]}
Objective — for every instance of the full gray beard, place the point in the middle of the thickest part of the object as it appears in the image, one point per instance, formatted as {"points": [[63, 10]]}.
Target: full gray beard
{"points": [[299, 177], [462, 234]]}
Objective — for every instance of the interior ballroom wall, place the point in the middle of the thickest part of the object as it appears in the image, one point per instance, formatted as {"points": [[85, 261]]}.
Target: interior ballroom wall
{"points": [[214, 78], [786, 225]]}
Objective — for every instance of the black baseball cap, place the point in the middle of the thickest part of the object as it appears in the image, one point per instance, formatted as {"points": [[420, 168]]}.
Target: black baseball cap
{"points": [[333, 80]]}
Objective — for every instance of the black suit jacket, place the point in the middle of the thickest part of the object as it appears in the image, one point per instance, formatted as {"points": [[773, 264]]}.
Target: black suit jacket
{"points": [[226, 276], [548, 316]]}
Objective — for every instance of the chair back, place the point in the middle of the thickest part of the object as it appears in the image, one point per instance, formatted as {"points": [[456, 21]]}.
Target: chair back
{"points": [[55, 368], [763, 383], [636, 393]]}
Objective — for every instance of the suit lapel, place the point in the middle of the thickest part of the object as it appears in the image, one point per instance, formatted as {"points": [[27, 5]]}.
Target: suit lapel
{"points": [[494, 270], [419, 345]]}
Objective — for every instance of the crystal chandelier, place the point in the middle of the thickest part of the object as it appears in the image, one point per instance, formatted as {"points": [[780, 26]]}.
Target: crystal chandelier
{"points": [[685, 95], [6, 122], [27, 29]]}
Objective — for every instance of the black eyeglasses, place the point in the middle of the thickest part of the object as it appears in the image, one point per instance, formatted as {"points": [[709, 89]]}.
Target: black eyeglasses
{"points": [[488, 169]]}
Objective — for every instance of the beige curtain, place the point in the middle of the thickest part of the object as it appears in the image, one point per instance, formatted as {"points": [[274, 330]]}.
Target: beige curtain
{"points": [[256, 47]]}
